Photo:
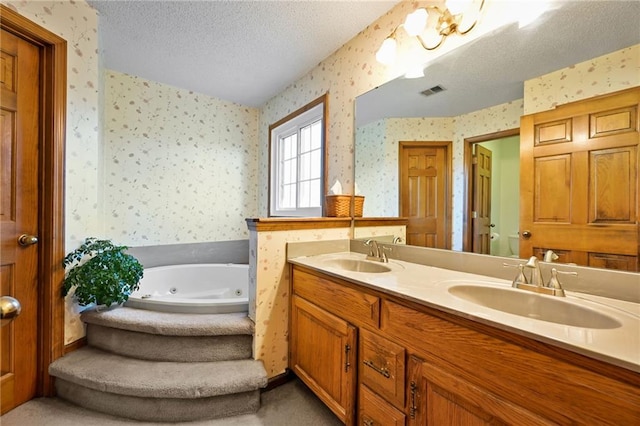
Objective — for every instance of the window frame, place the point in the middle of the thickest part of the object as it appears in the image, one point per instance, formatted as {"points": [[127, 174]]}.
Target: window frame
{"points": [[293, 121]]}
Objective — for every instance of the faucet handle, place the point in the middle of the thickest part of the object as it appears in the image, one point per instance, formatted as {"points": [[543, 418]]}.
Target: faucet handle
{"points": [[383, 255], [554, 282], [521, 277]]}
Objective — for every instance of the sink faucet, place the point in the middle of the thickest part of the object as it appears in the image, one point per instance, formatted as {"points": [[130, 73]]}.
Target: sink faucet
{"points": [[550, 256], [376, 252], [535, 282]]}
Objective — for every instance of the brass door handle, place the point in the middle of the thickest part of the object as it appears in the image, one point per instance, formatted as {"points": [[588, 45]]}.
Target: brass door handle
{"points": [[9, 309], [26, 240], [526, 235]]}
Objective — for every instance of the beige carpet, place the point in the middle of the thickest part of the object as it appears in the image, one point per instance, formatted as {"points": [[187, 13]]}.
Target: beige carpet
{"points": [[291, 404]]}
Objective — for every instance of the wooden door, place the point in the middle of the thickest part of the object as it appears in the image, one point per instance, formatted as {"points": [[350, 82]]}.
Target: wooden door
{"points": [[19, 119], [323, 355], [481, 213], [579, 182], [425, 192]]}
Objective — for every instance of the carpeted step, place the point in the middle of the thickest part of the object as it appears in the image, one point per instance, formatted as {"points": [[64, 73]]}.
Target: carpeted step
{"points": [[171, 324], [159, 409], [158, 391], [160, 347]]}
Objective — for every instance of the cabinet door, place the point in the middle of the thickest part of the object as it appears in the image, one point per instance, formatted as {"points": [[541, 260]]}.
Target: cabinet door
{"points": [[323, 355], [450, 401]]}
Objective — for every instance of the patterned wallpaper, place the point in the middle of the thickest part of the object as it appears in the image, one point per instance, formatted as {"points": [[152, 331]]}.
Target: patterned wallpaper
{"points": [[609, 73], [77, 23], [269, 291], [179, 167]]}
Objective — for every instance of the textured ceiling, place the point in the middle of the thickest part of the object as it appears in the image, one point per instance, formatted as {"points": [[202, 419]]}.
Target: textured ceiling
{"points": [[492, 69], [241, 51]]}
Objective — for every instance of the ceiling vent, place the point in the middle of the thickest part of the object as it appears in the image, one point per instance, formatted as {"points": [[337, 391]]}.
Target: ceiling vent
{"points": [[433, 90]]}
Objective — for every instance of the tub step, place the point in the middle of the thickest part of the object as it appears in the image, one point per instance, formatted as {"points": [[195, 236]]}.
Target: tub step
{"points": [[171, 324], [158, 391], [160, 347]]}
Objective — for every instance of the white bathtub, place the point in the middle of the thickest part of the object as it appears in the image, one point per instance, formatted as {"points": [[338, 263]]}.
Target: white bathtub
{"points": [[197, 288]]}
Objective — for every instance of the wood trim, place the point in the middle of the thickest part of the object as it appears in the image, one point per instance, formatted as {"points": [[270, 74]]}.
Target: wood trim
{"points": [[75, 345], [51, 215], [324, 99], [468, 176], [448, 145], [360, 222], [279, 380], [295, 224]]}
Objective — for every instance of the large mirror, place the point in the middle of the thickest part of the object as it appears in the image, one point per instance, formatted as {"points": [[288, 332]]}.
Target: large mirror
{"points": [[469, 102]]}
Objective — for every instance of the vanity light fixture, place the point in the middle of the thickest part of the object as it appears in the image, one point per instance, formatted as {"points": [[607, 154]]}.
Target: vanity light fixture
{"points": [[452, 19]]}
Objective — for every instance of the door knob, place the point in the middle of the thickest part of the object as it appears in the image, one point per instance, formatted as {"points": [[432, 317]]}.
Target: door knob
{"points": [[27, 240], [526, 235], [9, 309]]}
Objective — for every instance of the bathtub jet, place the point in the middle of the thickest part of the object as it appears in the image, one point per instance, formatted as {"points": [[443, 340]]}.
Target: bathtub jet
{"points": [[197, 288]]}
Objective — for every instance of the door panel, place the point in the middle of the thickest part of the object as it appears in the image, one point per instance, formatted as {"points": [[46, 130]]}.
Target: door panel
{"points": [[481, 216], [425, 193], [579, 181], [19, 120]]}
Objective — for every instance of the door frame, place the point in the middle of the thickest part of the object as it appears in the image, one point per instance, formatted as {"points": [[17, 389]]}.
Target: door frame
{"points": [[448, 146], [467, 235], [51, 250]]}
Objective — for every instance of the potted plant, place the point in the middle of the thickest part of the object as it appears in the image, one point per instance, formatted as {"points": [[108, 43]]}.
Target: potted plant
{"points": [[101, 273]]}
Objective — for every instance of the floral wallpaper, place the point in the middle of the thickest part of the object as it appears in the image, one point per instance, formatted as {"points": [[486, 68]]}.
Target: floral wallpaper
{"points": [[77, 23], [269, 291], [179, 167], [609, 73]]}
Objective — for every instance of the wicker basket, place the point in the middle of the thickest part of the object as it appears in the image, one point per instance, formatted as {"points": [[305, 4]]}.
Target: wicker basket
{"points": [[340, 205]]}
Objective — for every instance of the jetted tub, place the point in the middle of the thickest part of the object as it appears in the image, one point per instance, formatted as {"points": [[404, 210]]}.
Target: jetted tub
{"points": [[197, 288]]}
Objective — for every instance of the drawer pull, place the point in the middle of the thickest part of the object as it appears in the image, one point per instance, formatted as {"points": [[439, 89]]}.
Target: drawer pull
{"points": [[367, 422], [382, 371], [413, 408], [347, 364]]}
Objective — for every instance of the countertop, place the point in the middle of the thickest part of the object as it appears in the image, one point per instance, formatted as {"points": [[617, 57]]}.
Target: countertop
{"points": [[429, 286]]}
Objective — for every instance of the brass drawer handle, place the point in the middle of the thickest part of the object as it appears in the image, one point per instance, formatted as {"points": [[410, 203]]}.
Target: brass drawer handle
{"points": [[347, 364], [367, 422], [382, 371], [413, 408]]}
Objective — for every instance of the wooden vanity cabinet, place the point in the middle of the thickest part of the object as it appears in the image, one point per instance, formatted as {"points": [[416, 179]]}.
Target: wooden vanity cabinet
{"points": [[322, 354], [420, 366]]}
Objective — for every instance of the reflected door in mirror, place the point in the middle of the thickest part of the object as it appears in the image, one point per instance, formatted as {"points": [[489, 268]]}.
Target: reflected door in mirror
{"points": [[579, 181], [481, 214], [425, 192]]}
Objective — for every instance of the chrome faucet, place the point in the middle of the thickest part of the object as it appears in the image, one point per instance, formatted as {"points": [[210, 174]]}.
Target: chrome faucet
{"points": [[535, 282], [376, 252], [550, 256]]}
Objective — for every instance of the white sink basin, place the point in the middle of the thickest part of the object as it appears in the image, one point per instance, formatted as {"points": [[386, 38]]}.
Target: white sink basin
{"points": [[356, 265], [527, 304]]}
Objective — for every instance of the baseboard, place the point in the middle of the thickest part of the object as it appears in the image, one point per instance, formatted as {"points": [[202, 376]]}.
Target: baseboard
{"points": [[279, 380], [75, 345]]}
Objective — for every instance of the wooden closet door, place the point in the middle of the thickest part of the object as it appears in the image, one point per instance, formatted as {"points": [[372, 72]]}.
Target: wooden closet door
{"points": [[579, 182]]}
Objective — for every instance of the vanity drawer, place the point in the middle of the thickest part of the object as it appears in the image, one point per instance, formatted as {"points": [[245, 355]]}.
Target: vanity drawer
{"points": [[382, 367], [375, 411], [352, 305]]}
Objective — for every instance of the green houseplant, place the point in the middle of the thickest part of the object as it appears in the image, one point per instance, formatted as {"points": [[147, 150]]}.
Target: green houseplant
{"points": [[101, 273]]}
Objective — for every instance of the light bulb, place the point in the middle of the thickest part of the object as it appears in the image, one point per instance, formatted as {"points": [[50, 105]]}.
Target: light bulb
{"points": [[458, 6], [415, 22], [387, 52], [415, 71]]}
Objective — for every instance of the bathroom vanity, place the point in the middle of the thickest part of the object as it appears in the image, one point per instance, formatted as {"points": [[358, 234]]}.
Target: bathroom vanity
{"points": [[392, 344]]}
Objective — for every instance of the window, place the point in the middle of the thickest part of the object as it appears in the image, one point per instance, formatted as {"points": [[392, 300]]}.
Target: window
{"points": [[297, 163]]}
